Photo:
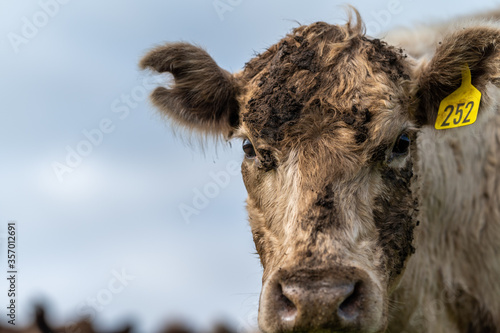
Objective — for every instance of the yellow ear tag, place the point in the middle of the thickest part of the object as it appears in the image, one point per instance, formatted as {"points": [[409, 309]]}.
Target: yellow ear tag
{"points": [[461, 106]]}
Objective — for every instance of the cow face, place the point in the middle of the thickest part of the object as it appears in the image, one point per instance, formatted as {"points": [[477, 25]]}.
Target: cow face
{"points": [[328, 136], [328, 120]]}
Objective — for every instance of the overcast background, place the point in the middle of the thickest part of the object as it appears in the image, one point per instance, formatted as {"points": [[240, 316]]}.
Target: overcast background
{"points": [[118, 211]]}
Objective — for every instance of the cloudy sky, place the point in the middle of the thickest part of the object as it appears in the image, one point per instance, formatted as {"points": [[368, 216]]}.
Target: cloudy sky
{"points": [[95, 178]]}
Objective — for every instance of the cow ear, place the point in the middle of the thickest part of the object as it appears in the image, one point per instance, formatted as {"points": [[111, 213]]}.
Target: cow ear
{"points": [[475, 47], [203, 96]]}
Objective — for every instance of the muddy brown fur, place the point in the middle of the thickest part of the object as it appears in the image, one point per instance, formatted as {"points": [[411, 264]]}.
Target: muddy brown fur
{"points": [[347, 164], [327, 115]]}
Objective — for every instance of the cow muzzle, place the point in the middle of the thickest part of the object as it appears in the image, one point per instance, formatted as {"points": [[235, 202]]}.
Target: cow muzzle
{"points": [[337, 299]]}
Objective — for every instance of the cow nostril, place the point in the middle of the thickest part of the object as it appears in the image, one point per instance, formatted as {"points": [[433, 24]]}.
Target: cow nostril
{"points": [[350, 308], [286, 309]]}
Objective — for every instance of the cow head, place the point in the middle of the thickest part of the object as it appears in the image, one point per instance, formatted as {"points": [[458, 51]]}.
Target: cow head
{"points": [[328, 119]]}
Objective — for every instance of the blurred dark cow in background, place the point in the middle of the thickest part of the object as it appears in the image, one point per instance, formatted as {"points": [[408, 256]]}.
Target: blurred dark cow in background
{"points": [[40, 324], [373, 190]]}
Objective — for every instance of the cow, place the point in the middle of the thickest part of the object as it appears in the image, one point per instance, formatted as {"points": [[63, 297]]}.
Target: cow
{"points": [[373, 176]]}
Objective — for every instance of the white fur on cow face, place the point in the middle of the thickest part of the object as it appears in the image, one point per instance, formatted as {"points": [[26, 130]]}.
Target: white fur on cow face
{"points": [[279, 203]]}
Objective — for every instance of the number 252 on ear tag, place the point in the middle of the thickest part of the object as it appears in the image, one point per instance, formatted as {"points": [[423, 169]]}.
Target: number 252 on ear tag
{"points": [[461, 106]]}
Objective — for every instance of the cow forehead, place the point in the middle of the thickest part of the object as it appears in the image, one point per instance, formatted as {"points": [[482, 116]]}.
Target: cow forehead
{"points": [[325, 80]]}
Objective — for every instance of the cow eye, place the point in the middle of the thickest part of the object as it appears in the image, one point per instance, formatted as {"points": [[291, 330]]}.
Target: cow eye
{"points": [[401, 146], [248, 149]]}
